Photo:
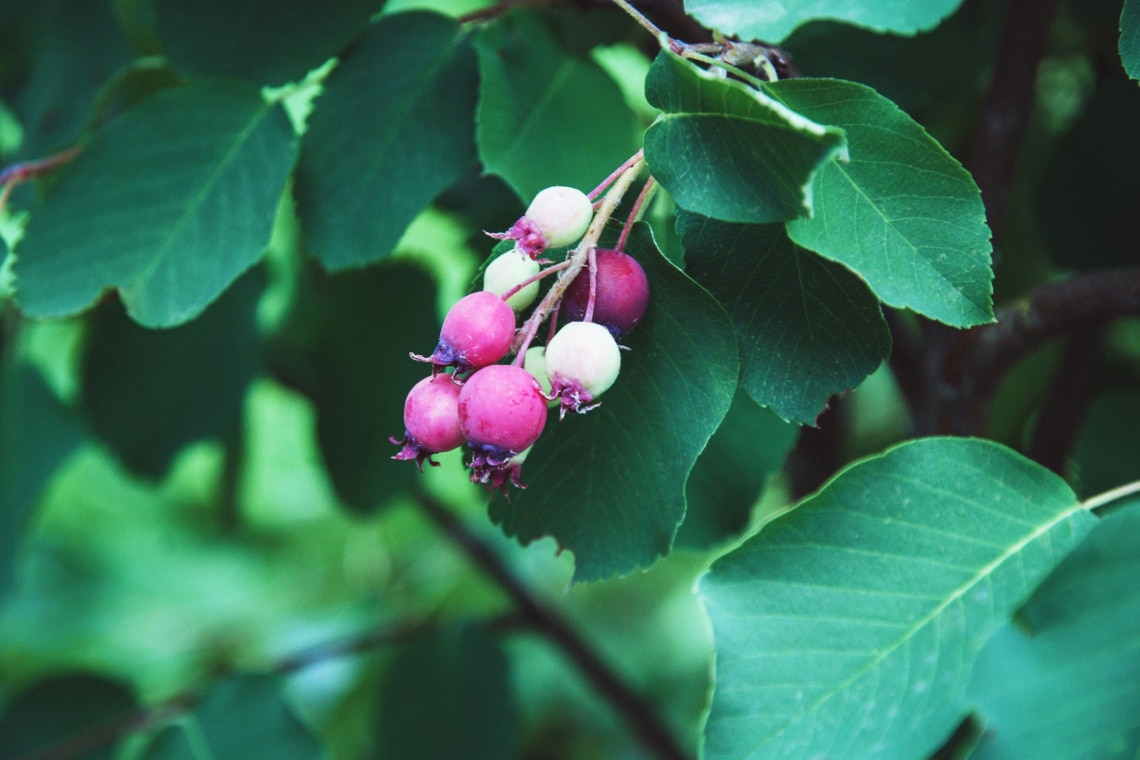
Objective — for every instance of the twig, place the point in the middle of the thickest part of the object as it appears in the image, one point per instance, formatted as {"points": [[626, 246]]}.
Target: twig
{"points": [[631, 706]]}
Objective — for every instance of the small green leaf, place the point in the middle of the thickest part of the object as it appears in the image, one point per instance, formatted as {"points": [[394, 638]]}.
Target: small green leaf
{"points": [[848, 628], [392, 129], [1130, 38], [346, 347], [60, 707], [609, 485], [727, 150], [448, 695], [147, 393], [902, 213], [807, 328], [37, 433], [547, 117], [773, 20], [271, 42], [244, 716], [170, 203], [748, 448], [1065, 680]]}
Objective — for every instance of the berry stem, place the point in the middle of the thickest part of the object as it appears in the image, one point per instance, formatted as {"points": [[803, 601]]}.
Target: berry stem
{"points": [[593, 194], [25, 170], [578, 257], [635, 213], [535, 278], [593, 297]]}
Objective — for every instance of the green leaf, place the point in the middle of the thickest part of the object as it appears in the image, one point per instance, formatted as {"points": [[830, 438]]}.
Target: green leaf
{"points": [[393, 128], [902, 213], [773, 20], [1105, 454], [848, 628], [748, 448], [243, 716], [610, 485], [346, 347], [727, 150], [37, 433], [1130, 37], [77, 48], [147, 393], [61, 707], [170, 203], [1065, 680], [448, 695], [547, 117], [807, 327], [271, 42]]}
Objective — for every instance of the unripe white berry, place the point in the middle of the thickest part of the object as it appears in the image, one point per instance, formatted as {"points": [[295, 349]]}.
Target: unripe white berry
{"points": [[561, 213], [583, 358], [507, 271]]}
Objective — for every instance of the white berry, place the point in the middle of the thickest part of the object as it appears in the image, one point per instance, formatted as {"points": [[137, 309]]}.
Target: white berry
{"points": [[507, 271]]}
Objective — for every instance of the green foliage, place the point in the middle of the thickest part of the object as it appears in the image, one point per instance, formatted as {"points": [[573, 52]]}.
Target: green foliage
{"points": [[881, 587], [807, 328], [1130, 38], [225, 226], [538, 99], [1074, 644], [391, 130], [169, 203], [729, 151], [242, 716]]}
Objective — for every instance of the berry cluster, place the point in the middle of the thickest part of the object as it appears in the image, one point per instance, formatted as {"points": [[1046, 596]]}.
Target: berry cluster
{"points": [[500, 409]]}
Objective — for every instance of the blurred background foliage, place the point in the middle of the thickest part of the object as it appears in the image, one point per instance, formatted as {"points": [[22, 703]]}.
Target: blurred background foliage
{"points": [[170, 506]]}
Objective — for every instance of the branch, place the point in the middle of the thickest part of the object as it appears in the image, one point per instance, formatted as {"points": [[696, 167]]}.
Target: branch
{"points": [[630, 705], [986, 353]]}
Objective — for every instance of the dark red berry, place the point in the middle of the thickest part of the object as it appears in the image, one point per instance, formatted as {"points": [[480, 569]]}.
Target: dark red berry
{"points": [[621, 293]]}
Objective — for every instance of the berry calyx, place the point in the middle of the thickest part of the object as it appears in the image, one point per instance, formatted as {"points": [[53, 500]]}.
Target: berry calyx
{"points": [[477, 331], [507, 272], [582, 360], [556, 217], [431, 420], [501, 414], [621, 293], [498, 477]]}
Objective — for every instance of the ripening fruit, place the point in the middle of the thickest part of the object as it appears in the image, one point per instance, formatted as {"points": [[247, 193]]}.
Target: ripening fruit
{"points": [[556, 217], [477, 331], [431, 420], [506, 272], [621, 293], [501, 411], [561, 213], [582, 360]]}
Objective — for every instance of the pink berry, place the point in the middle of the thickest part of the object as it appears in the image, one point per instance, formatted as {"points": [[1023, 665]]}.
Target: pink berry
{"points": [[477, 331], [621, 293], [582, 362], [431, 420], [501, 413]]}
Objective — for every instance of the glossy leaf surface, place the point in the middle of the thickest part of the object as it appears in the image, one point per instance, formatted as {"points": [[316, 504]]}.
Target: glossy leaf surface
{"points": [[391, 130], [729, 151], [901, 213], [170, 204], [807, 328], [848, 627], [609, 485], [773, 20]]}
